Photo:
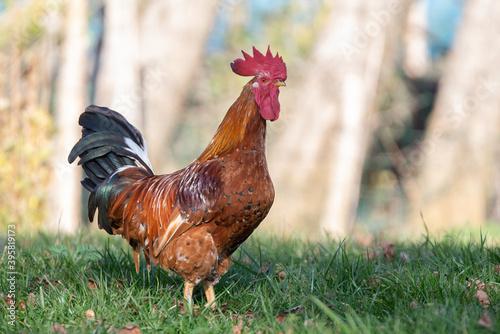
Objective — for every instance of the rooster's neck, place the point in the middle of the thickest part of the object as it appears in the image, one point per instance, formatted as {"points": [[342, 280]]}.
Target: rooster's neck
{"points": [[242, 128]]}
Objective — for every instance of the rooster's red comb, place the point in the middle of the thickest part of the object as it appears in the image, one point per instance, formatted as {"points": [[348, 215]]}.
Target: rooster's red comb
{"points": [[275, 67]]}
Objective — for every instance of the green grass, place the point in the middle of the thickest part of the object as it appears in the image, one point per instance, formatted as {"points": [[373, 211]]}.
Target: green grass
{"points": [[311, 287]]}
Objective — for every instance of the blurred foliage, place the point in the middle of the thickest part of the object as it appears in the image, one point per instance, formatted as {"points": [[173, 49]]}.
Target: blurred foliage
{"points": [[24, 170], [26, 124], [26, 20]]}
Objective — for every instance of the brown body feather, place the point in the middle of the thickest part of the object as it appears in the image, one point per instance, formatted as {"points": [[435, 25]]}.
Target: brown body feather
{"points": [[191, 221]]}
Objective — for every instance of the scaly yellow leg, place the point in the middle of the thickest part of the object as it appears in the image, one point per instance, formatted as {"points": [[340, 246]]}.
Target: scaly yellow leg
{"points": [[209, 292], [188, 291], [137, 260]]}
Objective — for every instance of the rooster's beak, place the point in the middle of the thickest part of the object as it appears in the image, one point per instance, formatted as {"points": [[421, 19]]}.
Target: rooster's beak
{"points": [[280, 83]]}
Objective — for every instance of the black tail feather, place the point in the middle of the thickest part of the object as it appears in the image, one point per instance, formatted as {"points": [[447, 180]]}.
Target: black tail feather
{"points": [[96, 119], [108, 143]]}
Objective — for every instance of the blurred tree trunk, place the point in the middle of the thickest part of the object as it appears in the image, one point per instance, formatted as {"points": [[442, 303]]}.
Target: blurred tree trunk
{"points": [[151, 52], [70, 101], [320, 156], [118, 81], [416, 56], [458, 160], [173, 35]]}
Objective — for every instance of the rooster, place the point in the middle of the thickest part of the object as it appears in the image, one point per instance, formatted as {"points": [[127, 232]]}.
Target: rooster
{"points": [[192, 220]]}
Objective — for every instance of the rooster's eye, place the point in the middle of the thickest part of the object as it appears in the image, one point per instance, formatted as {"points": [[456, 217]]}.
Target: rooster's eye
{"points": [[263, 80]]}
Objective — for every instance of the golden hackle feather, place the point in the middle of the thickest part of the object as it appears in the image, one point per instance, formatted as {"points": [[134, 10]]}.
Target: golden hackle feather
{"points": [[231, 131]]}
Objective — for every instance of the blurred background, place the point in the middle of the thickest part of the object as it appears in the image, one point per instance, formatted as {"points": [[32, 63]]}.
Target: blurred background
{"points": [[390, 117]]}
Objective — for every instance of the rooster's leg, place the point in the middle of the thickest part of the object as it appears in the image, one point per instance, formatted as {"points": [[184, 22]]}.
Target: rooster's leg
{"points": [[188, 291], [209, 292]]}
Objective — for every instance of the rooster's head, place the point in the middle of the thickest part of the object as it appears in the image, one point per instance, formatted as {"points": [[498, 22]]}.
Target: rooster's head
{"points": [[270, 73]]}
